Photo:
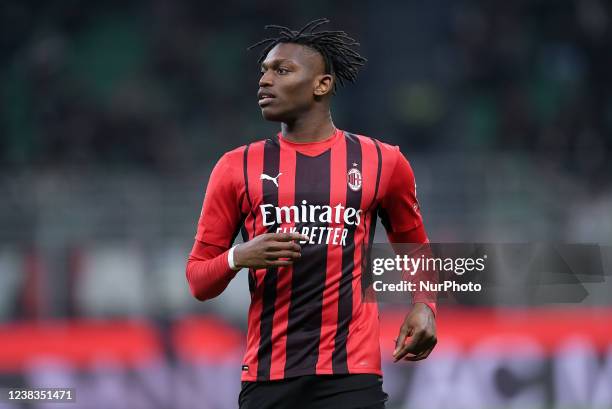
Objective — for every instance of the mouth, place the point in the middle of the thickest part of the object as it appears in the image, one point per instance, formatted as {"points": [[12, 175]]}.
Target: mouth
{"points": [[264, 98]]}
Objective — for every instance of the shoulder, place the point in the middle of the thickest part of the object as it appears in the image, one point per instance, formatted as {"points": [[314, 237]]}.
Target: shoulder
{"points": [[389, 153], [235, 157]]}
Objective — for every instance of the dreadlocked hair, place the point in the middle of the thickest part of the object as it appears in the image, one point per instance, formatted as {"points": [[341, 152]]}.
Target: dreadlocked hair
{"points": [[335, 47]]}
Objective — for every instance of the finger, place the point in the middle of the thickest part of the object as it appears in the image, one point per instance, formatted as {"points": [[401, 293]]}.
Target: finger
{"points": [[410, 347], [424, 354], [425, 341], [428, 346], [417, 343], [289, 236], [279, 263], [399, 342], [275, 255], [283, 245], [418, 357]]}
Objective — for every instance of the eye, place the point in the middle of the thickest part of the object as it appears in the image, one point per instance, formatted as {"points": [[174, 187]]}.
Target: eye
{"points": [[282, 71]]}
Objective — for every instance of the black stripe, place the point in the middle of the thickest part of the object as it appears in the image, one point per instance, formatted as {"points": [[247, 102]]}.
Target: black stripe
{"points": [[245, 170], [244, 233], [270, 196], [312, 183], [345, 297], [236, 232], [366, 272], [385, 220], [241, 228], [245, 238]]}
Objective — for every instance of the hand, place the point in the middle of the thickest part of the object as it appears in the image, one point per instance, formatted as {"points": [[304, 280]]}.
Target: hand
{"points": [[420, 324], [269, 250]]}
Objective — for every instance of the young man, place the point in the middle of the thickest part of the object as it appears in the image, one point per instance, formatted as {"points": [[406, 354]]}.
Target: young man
{"points": [[306, 201]]}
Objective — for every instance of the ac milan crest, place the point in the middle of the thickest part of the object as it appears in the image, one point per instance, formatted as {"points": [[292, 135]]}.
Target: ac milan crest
{"points": [[354, 179]]}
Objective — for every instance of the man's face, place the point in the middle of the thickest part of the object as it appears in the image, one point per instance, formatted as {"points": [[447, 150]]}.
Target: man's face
{"points": [[290, 77]]}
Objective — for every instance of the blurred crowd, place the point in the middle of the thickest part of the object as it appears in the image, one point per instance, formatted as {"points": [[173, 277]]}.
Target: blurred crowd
{"points": [[164, 85], [113, 113]]}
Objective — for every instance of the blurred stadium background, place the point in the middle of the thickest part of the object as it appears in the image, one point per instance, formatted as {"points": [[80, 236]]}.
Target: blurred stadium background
{"points": [[113, 113]]}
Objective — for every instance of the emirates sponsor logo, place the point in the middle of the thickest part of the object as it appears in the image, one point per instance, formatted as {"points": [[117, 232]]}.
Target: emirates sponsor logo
{"points": [[308, 213]]}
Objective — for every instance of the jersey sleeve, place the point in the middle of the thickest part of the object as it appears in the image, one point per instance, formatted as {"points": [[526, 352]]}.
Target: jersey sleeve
{"points": [[221, 214], [399, 210], [208, 272], [401, 215]]}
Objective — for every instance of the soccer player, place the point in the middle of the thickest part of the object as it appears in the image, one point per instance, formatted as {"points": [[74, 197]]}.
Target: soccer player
{"points": [[306, 201]]}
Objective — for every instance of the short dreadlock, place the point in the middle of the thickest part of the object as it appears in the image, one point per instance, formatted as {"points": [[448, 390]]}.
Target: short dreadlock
{"points": [[340, 60]]}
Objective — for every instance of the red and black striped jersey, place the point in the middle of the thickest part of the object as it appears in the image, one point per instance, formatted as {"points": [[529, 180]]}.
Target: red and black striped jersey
{"points": [[309, 318]]}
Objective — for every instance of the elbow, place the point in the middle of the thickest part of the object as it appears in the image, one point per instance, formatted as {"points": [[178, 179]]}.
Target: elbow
{"points": [[196, 294], [199, 297], [195, 290]]}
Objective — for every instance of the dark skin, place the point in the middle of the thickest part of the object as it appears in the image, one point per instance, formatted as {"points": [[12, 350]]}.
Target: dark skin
{"points": [[295, 76], [295, 91]]}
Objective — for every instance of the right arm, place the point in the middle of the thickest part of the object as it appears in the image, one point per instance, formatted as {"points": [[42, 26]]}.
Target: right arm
{"points": [[208, 271]]}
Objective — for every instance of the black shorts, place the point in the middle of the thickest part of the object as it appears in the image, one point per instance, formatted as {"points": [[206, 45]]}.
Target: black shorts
{"points": [[358, 391]]}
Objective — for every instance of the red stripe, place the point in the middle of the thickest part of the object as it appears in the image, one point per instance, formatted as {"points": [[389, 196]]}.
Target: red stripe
{"points": [[248, 200], [369, 171], [362, 343], [286, 196], [329, 318], [363, 347], [254, 170]]}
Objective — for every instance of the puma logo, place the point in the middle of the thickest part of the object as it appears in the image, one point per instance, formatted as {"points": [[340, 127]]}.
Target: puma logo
{"points": [[266, 177]]}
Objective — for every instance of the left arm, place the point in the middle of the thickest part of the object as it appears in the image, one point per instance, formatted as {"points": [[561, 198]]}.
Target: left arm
{"points": [[400, 214]]}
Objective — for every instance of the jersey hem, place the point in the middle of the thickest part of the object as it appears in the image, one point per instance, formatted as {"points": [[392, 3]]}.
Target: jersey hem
{"points": [[278, 377]]}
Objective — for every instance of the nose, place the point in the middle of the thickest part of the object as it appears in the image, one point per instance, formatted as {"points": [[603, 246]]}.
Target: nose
{"points": [[265, 80]]}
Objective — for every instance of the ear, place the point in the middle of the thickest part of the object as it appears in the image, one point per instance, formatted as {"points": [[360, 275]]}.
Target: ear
{"points": [[323, 84]]}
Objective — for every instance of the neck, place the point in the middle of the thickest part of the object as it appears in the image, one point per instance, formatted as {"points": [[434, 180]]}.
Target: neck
{"points": [[312, 127]]}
